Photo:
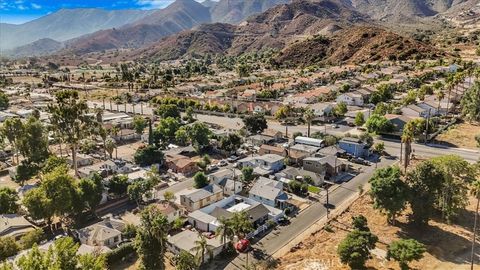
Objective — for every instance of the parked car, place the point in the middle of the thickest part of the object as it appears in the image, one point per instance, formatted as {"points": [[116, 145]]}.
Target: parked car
{"points": [[222, 163], [232, 158], [335, 126], [212, 167]]}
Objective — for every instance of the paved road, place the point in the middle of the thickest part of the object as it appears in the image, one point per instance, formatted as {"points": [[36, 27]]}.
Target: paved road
{"points": [[280, 237]]}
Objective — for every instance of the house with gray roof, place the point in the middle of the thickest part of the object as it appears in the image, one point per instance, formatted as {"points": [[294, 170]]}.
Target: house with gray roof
{"points": [[13, 225], [107, 232], [202, 197], [269, 192]]}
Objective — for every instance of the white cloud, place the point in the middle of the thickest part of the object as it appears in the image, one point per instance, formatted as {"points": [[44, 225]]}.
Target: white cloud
{"points": [[36, 6], [149, 4], [21, 7]]}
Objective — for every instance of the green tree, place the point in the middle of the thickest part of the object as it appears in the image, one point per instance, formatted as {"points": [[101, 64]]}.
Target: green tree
{"points": [[33, 144], [33, 237], [224, 229], [168, 110], [378, 124], [165, 131], [168, 196], [3, 101], [309, 116], [379, 147], [151, 239], [110, 145], [243, 70], [354, 250], [91, 191], [404, 251], [200, 180], [241, 224], [424, 188], [139, 124], [359, 119], [340, 109], [475, 191], [39, 206], [12, 129], [230, 143], [199, 134], [201, 248], [8, 201], [8, 247], [63, 254], [247, 174], [471, 103], [62, 192], [34, 260], [388, 191], [181, 136], [53, 162], [148, 155], [69, 115], [185, 261], [255, 123], [92, 262], [118, 184], [138, 189], [204, 162]]}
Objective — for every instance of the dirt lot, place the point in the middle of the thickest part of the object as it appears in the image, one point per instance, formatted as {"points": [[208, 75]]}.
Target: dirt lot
{"points": [[461, 135], [448, 246]]}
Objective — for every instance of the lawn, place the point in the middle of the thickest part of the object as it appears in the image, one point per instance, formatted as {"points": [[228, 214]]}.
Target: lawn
{"points": [[314, 189]]}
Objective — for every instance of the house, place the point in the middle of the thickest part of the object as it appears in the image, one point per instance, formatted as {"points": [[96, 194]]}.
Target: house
{"points": [[322, 110], [298, 173], [333, 150], [413, 110], [309, 141], [430, 107], [265, 164], [109, 166], [127, 135], [13, 225], [298, 152], [274, 134], [186, 241], [181, 164], [354, 147], [351, 99], [82, 160], [202, 197], [169, 209], [107, 232], [270, 149], [398, 121], [269, 192], [328, 166], [207, 218], [260, 139], [228, 179]]}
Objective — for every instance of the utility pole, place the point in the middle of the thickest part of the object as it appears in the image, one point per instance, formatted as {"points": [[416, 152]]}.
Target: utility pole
{"points": [[426, 129]]}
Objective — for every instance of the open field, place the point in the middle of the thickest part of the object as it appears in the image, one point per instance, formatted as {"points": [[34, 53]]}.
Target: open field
{"points": [[461, 135], [448, 246]]}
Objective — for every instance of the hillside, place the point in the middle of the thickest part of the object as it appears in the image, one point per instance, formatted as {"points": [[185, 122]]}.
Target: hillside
{"points": [[275, 28], [66, 24], [356, 45], [40, 47], [180, 15], [234, 11]]}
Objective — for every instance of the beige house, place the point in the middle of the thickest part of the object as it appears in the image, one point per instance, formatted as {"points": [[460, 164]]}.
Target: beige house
{"points": [[13, 225], [201, 197], [107, 232]]}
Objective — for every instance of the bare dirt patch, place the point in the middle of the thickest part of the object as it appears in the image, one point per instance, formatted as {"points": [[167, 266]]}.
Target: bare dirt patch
{"points": [[448, 246], [461, 135]]}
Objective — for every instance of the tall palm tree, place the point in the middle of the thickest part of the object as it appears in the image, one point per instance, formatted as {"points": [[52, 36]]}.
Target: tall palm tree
{"points": [[110, 146], [241, 224], [440, 95], [224, 229], [407, 138], [309, 115], [201, 247], [114, 133], [475, 192]]}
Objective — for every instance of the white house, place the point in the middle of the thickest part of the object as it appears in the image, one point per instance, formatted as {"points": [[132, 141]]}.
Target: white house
{"points": [[351, 99]]}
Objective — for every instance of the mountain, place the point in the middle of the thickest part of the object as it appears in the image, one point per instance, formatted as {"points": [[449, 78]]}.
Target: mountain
{"points": [[209, 3], [178, 16], [403, 11], [357, 44], [234, 11], [40, 47], [66, 24], [325, 31], [275, 28]]}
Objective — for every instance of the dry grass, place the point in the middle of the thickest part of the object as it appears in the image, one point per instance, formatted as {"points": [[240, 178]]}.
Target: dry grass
{"points": [[448, 245], [461, 135]]}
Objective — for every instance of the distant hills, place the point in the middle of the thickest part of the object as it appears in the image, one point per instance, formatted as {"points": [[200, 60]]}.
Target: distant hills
{"points": [[66, 24]]}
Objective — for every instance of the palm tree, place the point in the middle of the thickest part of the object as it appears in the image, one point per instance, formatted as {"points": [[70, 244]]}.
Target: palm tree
{"points": [[185, 261], [475, 192], [110, 146], [201, 247], [241, 224], [407, 138], [224, 229], [309, 115], [440, 95], [102, 132], [114, 132]]}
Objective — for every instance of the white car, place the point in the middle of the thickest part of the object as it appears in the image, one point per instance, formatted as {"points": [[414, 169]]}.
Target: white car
{"points": [[222, 163]]}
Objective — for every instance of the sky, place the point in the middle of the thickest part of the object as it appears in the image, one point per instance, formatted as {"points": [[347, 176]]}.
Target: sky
{"points": [[20, 11]]}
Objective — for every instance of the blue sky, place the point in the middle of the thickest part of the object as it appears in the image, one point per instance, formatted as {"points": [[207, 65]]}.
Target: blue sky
{"points": [[20, 11]]}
